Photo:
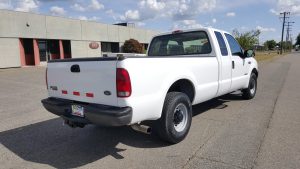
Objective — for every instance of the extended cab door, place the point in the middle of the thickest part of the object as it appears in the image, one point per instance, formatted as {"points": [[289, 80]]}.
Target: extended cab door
{"points": [[237, 64], [225, 65]]}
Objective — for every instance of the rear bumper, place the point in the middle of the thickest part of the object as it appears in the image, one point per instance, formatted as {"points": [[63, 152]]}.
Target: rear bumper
{"points": [[94, 113]]}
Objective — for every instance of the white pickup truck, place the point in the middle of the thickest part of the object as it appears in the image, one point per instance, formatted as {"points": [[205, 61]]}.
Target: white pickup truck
{"points": [[181, 69]]}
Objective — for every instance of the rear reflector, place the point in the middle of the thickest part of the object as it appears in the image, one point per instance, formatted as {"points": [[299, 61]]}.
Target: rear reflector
{"points": [[64, 92], [76, 93], [123, 83], [89, 95]]}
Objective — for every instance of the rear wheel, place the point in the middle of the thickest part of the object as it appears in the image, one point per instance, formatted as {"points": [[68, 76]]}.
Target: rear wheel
{"points": [[175, 122], [250, 92]]}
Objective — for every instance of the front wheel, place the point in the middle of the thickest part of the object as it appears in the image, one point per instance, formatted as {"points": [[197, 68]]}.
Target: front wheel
{"points": [[176, 119], [250, 92]]}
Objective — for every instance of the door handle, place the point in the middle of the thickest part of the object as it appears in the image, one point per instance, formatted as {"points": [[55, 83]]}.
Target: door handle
{"points": [[75, 68], [233, 66]]}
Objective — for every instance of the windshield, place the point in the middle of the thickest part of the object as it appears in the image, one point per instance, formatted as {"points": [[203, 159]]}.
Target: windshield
{"points": [[187, 43]]}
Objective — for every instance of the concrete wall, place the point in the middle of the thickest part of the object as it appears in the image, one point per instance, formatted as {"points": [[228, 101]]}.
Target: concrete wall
{"points": [[15, 25], [81, 49], [28, 25], [10, 53], [94, 31], [62, 28]]}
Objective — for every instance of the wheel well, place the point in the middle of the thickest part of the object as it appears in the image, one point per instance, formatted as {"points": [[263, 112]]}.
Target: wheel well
{"points": [[255, 72], [185, 86]]}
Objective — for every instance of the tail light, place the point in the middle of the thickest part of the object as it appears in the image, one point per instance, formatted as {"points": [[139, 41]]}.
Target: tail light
{"points": [[47, 78], [123, 83]]}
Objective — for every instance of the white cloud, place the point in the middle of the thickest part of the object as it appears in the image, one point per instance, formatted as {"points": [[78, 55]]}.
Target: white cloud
{"points": [[263, 29], [273, 11], [93, 5], [5, 4], [96, 5], [230, 14], [110, 12], [55, 10], [214, 20], [244, 28], [78, 7], [175, 9], [187, 9], [152, 4], [141, 24], [131, 15], [93, 18], [116, 17], [292, 6], [186, 24], [27, 5], [82, 18]]}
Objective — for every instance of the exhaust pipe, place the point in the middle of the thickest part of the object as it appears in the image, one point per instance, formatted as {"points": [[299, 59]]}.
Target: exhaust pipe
{"points": [[142, 128]]}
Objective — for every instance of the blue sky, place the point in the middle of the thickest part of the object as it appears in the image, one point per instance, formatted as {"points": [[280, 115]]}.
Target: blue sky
{"points": [[166, 15]]}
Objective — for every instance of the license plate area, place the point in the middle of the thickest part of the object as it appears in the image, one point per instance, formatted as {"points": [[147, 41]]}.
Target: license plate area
{"points": [[77, 111]]}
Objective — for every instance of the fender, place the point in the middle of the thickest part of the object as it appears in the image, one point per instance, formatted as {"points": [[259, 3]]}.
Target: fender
{"points": [[253, 66], [186, 75]]}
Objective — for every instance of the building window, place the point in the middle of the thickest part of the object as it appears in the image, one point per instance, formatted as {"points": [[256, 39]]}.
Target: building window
{"points": [[110, 47]]}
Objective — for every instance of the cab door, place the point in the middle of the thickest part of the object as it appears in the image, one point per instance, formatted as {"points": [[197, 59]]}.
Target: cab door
{"points": [[238, 64], [225, 65]]}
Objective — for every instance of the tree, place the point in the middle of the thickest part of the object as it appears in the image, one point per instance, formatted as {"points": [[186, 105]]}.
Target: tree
{"points": [[270, 44], [298, 40], [247, 39], [132, 46]]}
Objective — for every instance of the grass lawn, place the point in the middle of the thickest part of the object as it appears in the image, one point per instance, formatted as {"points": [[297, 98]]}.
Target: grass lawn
{"points": [[268, 55]]}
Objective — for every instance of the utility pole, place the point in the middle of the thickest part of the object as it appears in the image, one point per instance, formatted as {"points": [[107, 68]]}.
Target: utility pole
{"points": [[291, 39], [288, 30], [283, 24]]}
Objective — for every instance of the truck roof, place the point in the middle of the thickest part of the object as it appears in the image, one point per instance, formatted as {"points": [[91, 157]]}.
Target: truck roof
{"points": [[191, 30]]}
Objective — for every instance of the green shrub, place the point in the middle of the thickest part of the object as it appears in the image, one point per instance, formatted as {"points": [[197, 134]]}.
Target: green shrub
{"points": [[132, 46]]}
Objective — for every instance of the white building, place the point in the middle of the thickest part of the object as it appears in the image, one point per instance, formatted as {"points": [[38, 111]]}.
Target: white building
{"points": [[31, 39]]}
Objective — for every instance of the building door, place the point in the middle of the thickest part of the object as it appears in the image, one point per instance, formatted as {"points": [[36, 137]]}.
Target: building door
{"points": [[44, 57], [67, 49], [27, 52], [53, 48]]}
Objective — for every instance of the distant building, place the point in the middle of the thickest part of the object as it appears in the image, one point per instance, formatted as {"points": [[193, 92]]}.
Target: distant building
{"points": [[28, 39], [258, 47]]}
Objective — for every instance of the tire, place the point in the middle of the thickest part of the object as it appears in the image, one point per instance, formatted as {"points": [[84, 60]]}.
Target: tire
{"points": [[250, 92], [176, 119]]}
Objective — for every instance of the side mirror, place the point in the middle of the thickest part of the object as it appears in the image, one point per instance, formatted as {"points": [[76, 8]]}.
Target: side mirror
{"points": [[249, 53]]}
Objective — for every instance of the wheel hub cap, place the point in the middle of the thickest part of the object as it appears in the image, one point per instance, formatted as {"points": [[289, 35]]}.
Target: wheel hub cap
{"points": [[180, 117], [252, 86]]}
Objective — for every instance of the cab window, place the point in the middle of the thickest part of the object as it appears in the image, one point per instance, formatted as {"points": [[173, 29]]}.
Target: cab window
{"points": [[186, 43], [234, 45], [222, 44]]}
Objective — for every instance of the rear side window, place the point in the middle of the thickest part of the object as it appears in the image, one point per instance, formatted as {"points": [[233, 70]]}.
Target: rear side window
{"points": [[234, 45], [187, 43], [222, 44]]}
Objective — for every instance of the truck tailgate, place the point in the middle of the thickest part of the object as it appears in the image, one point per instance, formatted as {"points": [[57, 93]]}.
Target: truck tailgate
{"points": [[94, 82]]}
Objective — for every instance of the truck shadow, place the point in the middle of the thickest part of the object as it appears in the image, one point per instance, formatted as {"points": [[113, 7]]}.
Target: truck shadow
{"points": [[217, 103], [51, 143]]}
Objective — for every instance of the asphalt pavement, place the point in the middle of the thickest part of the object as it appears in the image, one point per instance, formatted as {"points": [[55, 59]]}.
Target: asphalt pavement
{"points": [[227, 132]]}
